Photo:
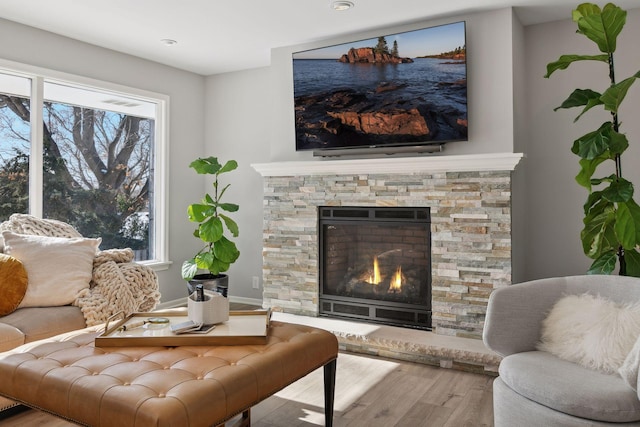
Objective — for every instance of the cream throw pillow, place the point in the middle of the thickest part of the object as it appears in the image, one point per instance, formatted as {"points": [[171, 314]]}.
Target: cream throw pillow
{"points": [[591, 331], [58, 268]]}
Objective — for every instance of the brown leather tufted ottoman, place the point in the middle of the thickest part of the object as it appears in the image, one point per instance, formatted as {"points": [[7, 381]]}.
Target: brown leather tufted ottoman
{"points": [[163, 386]]}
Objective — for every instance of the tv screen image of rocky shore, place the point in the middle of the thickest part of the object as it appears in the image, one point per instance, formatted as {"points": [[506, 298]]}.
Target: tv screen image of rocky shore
{"points": [[400, 89]]}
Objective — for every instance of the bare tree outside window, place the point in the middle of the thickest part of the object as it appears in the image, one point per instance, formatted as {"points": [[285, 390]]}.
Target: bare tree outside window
{"points": [[96, 170]]}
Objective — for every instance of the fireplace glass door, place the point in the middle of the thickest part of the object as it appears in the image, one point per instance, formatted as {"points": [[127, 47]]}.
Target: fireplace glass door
{"points": [[376, 264]]}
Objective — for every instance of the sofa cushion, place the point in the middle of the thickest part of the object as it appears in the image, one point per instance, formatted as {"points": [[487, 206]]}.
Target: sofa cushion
{"points": [[58, 268], [13, 283], [10, 337], [570, 388], [37, 323]]}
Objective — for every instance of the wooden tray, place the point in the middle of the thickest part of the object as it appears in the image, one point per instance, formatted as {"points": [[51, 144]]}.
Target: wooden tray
{"points": [[242, 328]]}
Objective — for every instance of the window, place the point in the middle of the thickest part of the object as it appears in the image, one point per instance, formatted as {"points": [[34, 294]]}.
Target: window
{"points": [[87, 155]]}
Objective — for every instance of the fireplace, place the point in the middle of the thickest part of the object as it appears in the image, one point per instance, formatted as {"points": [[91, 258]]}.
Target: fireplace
{"points": [[375, 264], [469, 201]]}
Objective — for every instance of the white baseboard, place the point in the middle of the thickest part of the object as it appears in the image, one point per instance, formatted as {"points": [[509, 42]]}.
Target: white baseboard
{"points": [[243, 300], [182, 302]]}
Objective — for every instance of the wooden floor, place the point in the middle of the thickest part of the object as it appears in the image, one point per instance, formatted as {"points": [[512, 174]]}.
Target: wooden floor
{"points": [[370, 392]]}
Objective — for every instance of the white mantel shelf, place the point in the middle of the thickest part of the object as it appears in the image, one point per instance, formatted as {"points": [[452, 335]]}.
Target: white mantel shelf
{"points": [[427, 164]]}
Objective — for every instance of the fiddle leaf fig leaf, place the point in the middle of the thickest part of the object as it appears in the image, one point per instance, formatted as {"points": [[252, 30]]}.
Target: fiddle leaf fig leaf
{"points": [[601, 26], [580, 97], [620, 190], [604, 264], [204, 260], [231, 225], [594, 205], [210, 165], [218, 266], [198, 212], [189, 269], [228, 167], [226, 251], [632, 260], [211, 230], [634, 210], [618, 143], [229, 207], [614, 95], [565, 60], [598, 234], [593, 144], [625, 227], [587, 169]]}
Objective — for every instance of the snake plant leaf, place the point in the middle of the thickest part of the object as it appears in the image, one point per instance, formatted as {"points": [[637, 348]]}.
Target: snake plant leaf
{"points": [[614, 95], [593, 144], [231, 225], [619, 191], [632, 260], [565, 60], [587, 169], [604, 264], [625, 227], [209, 165], [601, 26], [211, 230]]}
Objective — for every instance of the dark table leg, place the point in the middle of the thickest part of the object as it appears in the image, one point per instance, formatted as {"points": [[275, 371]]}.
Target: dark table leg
{"points": [[329, 391]]}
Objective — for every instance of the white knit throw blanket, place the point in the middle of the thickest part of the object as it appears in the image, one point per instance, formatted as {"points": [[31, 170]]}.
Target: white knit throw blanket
{"points": [[117, 283]]}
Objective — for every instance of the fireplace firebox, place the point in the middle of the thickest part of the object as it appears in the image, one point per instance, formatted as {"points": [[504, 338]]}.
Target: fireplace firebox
{"points": [[375, 264]]}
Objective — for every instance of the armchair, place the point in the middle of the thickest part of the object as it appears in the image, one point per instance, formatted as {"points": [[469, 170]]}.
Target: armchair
{"points": [[536, 388]]}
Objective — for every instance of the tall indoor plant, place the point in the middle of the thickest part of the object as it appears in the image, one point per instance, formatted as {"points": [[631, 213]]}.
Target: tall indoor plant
{"points": [[611, 230], [218, 252]]}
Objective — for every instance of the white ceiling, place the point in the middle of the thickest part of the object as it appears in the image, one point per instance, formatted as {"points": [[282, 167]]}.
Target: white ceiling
{"points": [[216, 36]]}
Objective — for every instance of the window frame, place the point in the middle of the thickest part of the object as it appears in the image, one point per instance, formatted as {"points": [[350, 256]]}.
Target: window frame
{"points": [[160, 163]]}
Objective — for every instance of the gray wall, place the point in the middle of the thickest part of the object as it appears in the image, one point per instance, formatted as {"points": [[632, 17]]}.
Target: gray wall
{"points": [[186, 139], [237, 127], [554, 199]]}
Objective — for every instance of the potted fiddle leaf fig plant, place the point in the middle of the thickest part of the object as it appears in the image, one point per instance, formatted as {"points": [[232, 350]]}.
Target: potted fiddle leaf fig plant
{"points": [[611, 232], [219, 252]]}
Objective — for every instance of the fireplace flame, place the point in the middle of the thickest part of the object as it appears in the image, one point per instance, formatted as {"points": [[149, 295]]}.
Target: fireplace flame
{"points": [[375, 278], [395, 285]]}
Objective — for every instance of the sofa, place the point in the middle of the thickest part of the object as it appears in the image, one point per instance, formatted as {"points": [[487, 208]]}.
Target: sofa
{"points": [[43, 257], [536, 387]]}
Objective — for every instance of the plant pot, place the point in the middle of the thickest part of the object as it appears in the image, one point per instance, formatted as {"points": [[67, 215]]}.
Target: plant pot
{"points": [[217, 283]]}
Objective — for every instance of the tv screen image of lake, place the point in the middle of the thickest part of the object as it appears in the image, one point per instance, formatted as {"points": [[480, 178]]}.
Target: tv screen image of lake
{"points": [[342, 104]]}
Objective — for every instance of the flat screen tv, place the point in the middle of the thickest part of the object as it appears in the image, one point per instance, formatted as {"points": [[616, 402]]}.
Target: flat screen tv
{"points": [[396, 90]]}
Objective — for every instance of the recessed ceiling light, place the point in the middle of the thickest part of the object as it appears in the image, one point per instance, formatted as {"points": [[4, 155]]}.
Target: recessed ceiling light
{"points": [[168, 42], [341, 5]]}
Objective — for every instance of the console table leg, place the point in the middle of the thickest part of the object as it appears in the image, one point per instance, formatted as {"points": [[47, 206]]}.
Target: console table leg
{"points": [[329, 391]]}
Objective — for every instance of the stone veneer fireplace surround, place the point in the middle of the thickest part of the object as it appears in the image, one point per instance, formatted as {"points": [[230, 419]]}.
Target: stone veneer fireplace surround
{"points": [[470, 201]]}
